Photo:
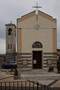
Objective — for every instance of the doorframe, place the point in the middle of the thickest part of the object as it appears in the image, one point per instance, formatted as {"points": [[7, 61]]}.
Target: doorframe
{"points": [[41, 57]]}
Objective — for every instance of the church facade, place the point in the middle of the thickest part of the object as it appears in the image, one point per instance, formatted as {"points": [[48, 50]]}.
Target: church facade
{"points": [[36, 41]]}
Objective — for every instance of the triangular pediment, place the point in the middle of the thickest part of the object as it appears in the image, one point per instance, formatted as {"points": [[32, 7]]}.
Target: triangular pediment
{"points": [[28, 15]]}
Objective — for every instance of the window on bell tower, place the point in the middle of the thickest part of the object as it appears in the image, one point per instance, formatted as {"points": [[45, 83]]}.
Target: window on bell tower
{"points": [[9, 46], [9, 32]]}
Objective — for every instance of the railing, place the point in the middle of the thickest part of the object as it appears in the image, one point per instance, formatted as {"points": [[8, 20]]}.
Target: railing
{"points": [[22, 85]]}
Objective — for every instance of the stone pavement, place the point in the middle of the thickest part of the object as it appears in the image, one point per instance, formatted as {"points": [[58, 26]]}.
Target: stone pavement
{"points": [[41, 76], [3, 75], [56, 84]]}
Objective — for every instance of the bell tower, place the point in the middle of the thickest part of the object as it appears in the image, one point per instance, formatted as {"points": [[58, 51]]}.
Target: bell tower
{"points": [[10, 41]]}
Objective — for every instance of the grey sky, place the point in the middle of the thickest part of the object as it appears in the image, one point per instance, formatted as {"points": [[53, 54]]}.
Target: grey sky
{"points": [[10, 10]]}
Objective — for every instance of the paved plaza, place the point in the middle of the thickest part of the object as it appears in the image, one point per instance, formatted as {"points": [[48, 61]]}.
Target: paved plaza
{"points": [[43, 77]]}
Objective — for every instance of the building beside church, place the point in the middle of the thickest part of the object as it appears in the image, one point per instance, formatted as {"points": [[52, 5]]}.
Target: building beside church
{"points": [[36, 41]]}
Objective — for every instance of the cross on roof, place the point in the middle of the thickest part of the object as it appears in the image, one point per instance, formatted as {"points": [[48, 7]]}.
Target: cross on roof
{"points": [[10, 21], [36, 8]]}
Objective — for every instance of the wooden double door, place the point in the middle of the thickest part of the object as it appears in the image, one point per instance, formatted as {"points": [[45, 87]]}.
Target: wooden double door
{"points": [[37, 59]]}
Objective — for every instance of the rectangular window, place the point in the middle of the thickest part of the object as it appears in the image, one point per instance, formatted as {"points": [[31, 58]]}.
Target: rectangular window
{"points": [[9, 46]]}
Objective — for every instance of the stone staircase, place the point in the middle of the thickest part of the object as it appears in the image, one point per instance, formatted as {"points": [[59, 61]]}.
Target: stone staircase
{"points": [[39, 75]]}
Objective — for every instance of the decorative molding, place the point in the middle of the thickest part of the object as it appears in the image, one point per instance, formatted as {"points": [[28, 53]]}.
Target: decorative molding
{"points": [[24, 53], [50, 53]]}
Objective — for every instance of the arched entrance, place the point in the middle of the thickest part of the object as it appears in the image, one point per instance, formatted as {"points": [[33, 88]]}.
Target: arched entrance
{"points": [[37, 55]]}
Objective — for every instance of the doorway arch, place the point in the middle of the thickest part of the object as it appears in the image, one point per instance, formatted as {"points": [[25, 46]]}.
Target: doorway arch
{"points": [[37, 55]]}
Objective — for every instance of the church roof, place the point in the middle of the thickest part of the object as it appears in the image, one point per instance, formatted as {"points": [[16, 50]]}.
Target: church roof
{"points": [[33, 13], [10, 24]]}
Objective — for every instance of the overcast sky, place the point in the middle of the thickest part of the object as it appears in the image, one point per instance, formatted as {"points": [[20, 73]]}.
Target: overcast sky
{"points": [[10, 10]]}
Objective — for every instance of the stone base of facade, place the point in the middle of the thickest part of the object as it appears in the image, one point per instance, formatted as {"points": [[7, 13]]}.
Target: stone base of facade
{"points": [[24, 61]]}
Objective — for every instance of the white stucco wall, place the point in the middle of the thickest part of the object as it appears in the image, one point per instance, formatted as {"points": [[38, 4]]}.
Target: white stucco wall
{"points": [[43, 35]]}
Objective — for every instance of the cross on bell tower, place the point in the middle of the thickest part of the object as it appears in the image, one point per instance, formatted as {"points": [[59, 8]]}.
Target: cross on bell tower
{"points": [[36, 10], [10, 21]]}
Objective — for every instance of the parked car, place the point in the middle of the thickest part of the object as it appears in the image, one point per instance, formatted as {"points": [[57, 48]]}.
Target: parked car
{"points": [[9, 64], [58, 65]]}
